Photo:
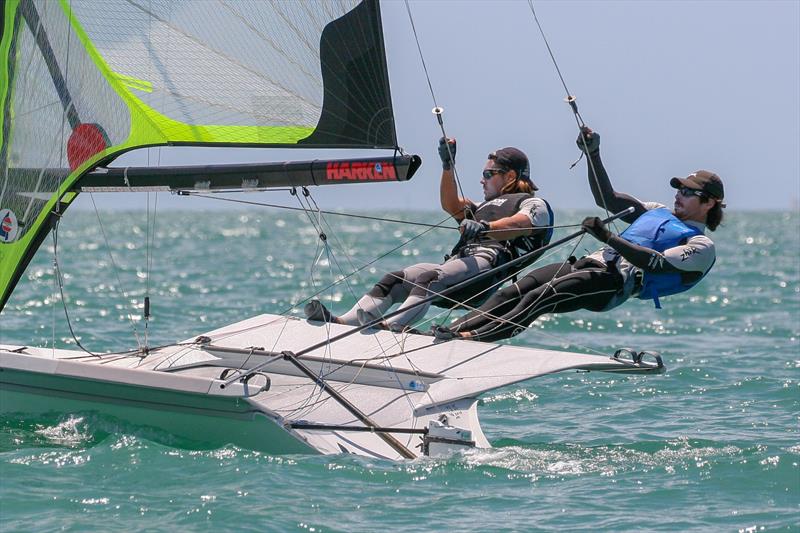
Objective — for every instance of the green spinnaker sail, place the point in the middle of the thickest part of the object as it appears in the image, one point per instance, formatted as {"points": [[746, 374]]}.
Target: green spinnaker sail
{"points": [[85, 81]]}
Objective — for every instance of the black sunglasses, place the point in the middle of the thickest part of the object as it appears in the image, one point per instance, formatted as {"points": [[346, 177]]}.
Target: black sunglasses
{"points": [[686, 192], [490, 172]]}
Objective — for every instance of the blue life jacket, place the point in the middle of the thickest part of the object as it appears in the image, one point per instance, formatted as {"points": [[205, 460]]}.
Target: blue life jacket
{"points": [[660, 230]]}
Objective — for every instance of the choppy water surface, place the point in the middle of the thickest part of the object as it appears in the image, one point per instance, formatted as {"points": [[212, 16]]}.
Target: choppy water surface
{"points": [[711, 445]]}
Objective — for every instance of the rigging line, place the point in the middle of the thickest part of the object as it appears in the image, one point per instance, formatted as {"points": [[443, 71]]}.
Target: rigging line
{"points": [[573, 105], [351, 274], [325, 248], [462, 304], [466, 306], [385, 356], [366, 265], [421, 56], [315, 396], [53, 307], [321, 220], [58, 202], [437, 110], [320, 249], [150, 241], [449, 290], [152, 238], [147, 263], [317, 223], [310, 199], [529, 327], [60, 283], [116, 270], [317, 256], [552, 56], [500, 319], [352, 215]]}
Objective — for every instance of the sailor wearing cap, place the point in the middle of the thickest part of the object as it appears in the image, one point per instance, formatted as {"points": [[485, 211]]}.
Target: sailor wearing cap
{"points": [[510, 221], [661, 253]]}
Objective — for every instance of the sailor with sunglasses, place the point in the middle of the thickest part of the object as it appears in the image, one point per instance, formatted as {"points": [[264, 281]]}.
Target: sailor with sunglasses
{"points": [[511, 221], [661, 253]]}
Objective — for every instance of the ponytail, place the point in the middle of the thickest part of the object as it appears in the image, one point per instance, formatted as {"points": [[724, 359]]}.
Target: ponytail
{"points": [[517, 186]]}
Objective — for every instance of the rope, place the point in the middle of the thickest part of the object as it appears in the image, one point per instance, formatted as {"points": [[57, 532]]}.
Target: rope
{"points": [[440, 225], [450, 289], [308, 210], [57, 211], [331, 260], [462, 304], [572, 101], [116, 270], [437, 110], [60, 282], [310, 402], [352, 215], [310, 200], [365, 265], [317, 225], [150, 239]]}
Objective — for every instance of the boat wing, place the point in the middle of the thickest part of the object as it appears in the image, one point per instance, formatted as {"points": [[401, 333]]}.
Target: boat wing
{"points": [[445, 371]]}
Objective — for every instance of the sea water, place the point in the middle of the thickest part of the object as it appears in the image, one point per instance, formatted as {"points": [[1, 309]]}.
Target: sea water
{"points": [[712, 445]]}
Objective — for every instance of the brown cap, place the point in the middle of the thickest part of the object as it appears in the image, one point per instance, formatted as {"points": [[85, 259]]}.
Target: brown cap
{"points": [[514, 159], [701, 180]]}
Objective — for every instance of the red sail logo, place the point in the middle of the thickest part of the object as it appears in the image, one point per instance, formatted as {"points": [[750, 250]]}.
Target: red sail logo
{"points": [[360, 171]]}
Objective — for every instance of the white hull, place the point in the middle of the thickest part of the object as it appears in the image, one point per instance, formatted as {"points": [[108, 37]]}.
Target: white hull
{"points": [[187, 420], [396, 384]]}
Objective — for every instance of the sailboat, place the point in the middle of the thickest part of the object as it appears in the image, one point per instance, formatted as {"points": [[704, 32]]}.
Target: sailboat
{"points": [[85, 82]]}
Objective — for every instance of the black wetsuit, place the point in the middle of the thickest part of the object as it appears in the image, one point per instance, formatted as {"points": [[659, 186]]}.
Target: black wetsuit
{"points": [[555, 288], [595, 283]]}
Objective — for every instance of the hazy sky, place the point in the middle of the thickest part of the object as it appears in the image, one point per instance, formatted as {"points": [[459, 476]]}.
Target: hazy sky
{"points": [[671, 86]]}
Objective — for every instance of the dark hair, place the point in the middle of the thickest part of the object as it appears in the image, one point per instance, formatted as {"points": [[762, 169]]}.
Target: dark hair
{"points": [[714, 215], [516, 186]]}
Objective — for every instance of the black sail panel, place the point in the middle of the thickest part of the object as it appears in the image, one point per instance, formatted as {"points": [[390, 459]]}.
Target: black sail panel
{"points": [[357, 104]]}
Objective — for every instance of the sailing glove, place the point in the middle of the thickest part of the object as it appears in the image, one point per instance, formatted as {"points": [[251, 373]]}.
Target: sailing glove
{"points": [[472, 228], [448, 157], [591, 140], [595, 227]]}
